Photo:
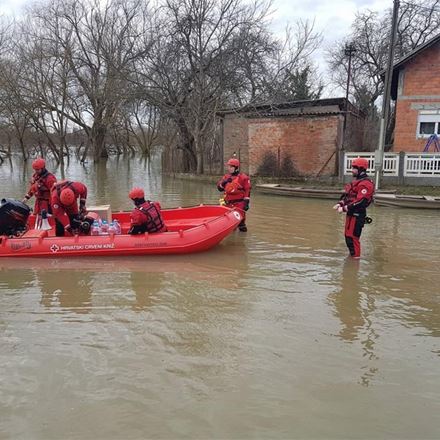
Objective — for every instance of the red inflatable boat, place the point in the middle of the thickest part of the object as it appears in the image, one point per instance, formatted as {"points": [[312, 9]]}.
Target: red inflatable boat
{"points": [[192, 229]]}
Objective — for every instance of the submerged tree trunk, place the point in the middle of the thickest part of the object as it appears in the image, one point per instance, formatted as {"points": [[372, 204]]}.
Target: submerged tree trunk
{"points": [[199, 156], [98, 142]]}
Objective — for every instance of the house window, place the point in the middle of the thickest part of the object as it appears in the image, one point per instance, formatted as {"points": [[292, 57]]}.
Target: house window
{"points": [[428, 123], [427, 128]]}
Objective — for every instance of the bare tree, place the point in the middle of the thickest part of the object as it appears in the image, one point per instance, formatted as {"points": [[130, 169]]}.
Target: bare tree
{"points": [[370, 34], [213, 54], [92, 45], [291, 73], [12, 107], [418, 22], [117, 72], [188, 67]]}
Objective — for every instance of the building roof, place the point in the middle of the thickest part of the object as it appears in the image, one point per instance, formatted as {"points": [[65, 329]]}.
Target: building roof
{"points": [[408, 57], [416, 51], [304, 107]]}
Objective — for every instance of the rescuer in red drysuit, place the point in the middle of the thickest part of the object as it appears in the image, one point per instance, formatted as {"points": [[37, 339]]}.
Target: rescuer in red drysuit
{"points": [[356, 198], [237, 189], [41, 183], [146, 216], [64, 196]]}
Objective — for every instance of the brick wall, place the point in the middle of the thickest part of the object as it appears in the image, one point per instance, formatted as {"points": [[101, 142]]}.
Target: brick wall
{"points": [[308, 135], [354, 133], [235, 139], [309, 141], [421, 80]]}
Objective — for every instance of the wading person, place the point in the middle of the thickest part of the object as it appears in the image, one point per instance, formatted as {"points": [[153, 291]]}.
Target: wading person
{"points": [[354, 202], [41, 183], [64, 200], [146, 216], [237, 189]]}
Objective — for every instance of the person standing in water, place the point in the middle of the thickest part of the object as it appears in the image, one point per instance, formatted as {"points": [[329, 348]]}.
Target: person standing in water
{"points": [[237, 189], [354, 202]]}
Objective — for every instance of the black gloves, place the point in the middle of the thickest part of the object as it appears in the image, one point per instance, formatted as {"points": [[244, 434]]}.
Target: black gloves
{"points": [[75, 222], [226, 181], [82, 206]]}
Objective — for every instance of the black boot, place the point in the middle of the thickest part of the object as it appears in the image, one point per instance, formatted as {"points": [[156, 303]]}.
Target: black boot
{"points": [[242, 226]]}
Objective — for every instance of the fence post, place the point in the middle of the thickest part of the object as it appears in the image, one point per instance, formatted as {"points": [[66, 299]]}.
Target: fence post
{"points": [[401, 171]]}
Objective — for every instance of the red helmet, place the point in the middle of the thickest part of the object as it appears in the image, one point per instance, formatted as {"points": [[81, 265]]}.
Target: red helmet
{"points": [[136, 193], [39, 164], [67, 197], [233, 163], [360, 162]]}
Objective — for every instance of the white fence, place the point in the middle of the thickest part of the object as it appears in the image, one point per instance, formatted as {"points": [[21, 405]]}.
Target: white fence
{"points": [[415, 164], [390, 163], [422, 165]]}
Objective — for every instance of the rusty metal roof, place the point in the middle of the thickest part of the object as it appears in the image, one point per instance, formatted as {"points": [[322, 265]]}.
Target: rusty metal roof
{"points": [[317, 107]]}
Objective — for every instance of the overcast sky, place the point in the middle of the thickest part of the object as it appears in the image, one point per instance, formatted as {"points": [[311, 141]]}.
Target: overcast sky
{"points": [[332, 17], [9, 7]]}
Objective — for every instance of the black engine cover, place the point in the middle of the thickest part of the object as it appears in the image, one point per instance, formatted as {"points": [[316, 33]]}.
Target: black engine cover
{"points": [[13, 216]]}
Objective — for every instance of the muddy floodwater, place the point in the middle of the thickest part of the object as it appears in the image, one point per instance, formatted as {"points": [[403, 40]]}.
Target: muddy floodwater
{"points": [[272, 334]]}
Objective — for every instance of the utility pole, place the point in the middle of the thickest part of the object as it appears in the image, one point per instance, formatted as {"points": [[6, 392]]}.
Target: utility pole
{"points": [[349, 51], [378, 156]]}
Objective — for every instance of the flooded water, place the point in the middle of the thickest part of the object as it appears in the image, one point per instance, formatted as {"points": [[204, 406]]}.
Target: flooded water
{"points": [[272, 334]]}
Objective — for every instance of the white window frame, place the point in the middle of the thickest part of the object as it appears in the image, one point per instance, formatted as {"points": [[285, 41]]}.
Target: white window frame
{"points": [[428, 116]]}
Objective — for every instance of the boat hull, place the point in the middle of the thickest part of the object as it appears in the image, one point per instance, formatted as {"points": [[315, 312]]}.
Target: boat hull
{"points": [[403, 201], [190, 230], [299, 192], [314, 193]]}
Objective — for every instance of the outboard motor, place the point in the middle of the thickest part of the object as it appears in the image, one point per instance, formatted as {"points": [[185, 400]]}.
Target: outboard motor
{"points": [[13, 216]]}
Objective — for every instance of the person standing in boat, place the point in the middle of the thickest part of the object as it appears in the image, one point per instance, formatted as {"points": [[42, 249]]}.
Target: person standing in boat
{"points": [[354, 202], [237, 189], [64, 199], [146, 216], [41, 183]]}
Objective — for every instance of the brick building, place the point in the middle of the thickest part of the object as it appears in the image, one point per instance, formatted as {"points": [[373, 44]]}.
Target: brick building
{"points": [[302, 138], [415, 87]]}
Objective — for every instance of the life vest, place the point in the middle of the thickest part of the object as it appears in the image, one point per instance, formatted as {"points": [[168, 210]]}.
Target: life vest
{"points": [[234, 191], [153, 219], [351, 191], [40, 185]]}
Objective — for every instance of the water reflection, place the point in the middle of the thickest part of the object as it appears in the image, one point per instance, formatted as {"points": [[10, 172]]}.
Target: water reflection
{"points": [[400, 269], [147, 288], [81, 285], [13, 278], [108, 181], [347, 302], [276, 317], [70, 290], [355, 308]]}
